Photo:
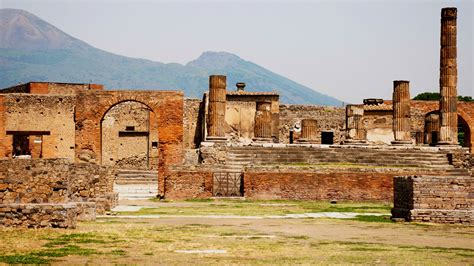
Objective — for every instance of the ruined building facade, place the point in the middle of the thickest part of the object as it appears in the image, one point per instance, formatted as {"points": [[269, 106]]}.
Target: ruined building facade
{"points": [[231, 143]]}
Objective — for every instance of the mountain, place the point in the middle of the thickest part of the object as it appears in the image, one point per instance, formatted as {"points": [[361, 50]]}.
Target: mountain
{"points": [[34, 50]]}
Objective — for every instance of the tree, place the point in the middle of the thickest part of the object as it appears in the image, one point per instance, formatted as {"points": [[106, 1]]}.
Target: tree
{"points": [[434, 96]]}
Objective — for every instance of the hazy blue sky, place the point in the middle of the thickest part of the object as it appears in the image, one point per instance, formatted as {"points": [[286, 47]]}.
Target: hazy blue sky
{"points": [[348, 49]]}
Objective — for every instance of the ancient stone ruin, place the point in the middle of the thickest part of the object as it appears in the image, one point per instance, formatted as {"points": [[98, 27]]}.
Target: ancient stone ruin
{"points": [[70, 151]]}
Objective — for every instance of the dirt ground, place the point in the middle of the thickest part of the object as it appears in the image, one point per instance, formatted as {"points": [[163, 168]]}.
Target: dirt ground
{"points": [[243, 240]]}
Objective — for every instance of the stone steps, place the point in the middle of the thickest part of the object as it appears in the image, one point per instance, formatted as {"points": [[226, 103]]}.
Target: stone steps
{"points": [[242, 156], [136, 184]]}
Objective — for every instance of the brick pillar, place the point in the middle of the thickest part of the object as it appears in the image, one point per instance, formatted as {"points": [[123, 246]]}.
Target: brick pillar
{"points": [[401, 112], [263, 122], [448, 132], [431, 129], [355, 133], [309, 131], [217, 102]]}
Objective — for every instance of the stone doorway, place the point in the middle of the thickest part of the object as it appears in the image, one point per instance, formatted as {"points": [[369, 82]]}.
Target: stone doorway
{"points": [[327, 137], [127, 137], [130, 143]]}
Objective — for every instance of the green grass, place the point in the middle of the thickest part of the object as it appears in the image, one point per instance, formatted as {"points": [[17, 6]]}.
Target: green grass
{"points": [[23, 259], [259, 208], [373, 219]]}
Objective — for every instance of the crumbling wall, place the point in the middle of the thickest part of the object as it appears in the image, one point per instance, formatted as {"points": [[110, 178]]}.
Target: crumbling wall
{"points": [[331, 119], [378, 125], [38, 215], [240, 114], [53, 114], [46, 187], [193, 115], [437, 199]]}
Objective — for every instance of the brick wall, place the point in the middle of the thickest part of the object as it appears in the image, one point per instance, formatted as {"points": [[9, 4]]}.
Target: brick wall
{"points": [[438, 199], [188, 184], [342, 185], [167, 107]]}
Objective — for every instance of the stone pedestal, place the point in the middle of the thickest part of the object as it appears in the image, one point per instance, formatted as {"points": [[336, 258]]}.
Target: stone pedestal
{"points": [[355, 133], [448, 131], [263, 122], [431, 129], [309, 131], [217, 104], [401, 113]]}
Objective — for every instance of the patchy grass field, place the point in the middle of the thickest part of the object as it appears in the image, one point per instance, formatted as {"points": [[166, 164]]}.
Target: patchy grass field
{"points": [[254, 208], [178, 240]]}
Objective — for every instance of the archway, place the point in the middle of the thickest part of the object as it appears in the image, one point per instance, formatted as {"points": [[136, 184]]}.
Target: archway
{"points": [[129, 138], [431, 129], [129, 142]]}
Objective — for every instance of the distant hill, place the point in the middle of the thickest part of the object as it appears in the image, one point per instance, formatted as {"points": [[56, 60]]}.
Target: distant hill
{"points": [[34, 50]]}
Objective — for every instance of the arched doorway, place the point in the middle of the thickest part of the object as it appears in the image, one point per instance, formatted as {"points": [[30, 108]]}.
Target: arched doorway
{"points": [[128, 138], [431, 130], [129, 142]]}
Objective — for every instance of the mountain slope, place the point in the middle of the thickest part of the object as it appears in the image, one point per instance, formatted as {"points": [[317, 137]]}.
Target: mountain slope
{"points": [[33, 50]]}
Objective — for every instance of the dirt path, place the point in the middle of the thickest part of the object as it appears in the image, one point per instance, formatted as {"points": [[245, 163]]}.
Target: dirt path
{"points": [[342, 230]]}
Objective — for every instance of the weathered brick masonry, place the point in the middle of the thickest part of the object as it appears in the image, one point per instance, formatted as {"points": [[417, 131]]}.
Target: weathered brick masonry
{"points": [[166, 105], [438, 199], [188, 183], [299, 183], [352, 184]]}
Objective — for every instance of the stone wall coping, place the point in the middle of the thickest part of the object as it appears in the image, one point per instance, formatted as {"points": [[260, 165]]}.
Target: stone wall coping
{"points": [[341, 169], [66, 205], [325, 146]]}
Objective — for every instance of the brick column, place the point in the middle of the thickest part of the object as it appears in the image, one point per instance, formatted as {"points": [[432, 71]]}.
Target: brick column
{"points": [[448, 132], [309, 131], [217, 105], [401, 112], [263, 122], [354, 128]]}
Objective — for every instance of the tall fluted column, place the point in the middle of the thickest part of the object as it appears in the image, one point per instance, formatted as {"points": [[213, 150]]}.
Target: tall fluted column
{"points": [[309, 131], [263, 122], [355, 133], [448, 131], [217, 105], [401, 112]]}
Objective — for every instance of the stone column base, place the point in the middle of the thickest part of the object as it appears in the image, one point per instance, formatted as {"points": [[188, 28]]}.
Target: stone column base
{"points": [[306, 141], [447, 144], [216, 139], [262, 139], [355, 142], [402, 142]]}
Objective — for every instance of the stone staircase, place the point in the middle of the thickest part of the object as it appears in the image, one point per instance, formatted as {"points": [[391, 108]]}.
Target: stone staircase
{"points": [[136, 184], [301, 155]]}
